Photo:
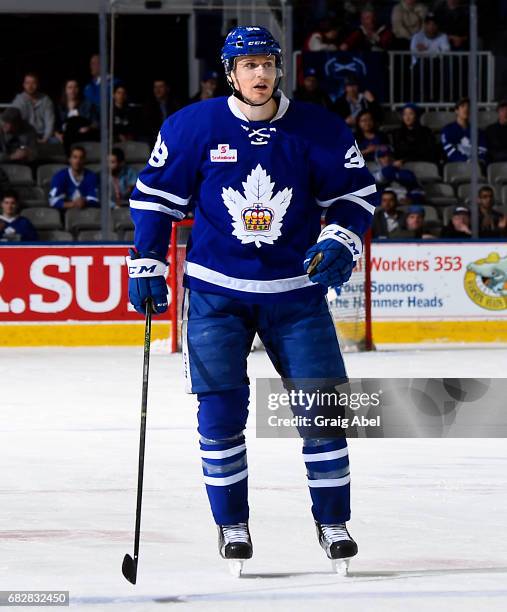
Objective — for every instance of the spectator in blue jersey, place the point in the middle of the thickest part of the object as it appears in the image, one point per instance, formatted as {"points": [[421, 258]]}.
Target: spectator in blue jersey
{"points": [[18, 139], [368, 137], [75, 186], [388, 220], [496, 135], [161, 106], [354, 101], [310, 90], [391, 174], [36, 108], [122, 179], [13, 226], [92, 89], [208, 88], [413, 141], [455, 137], [77, 118]]}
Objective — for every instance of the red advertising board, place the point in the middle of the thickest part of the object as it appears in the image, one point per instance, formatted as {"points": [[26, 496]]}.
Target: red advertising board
{"points": [[64, 283]]}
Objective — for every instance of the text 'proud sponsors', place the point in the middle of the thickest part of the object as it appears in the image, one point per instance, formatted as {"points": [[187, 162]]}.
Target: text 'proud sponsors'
{"points": [[68, 283], [433, 280]]}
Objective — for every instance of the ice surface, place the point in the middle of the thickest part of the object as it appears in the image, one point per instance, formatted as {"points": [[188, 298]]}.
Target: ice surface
{"points": [[429, 515]]}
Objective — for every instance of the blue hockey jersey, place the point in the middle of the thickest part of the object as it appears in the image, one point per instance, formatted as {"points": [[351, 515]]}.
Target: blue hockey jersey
{"points": [[65, 187], [457, 144], [258, 190], [19, 228]]}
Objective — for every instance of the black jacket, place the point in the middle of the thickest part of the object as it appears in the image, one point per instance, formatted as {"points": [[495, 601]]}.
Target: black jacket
{"points": [[496, 136], [415, 144]]}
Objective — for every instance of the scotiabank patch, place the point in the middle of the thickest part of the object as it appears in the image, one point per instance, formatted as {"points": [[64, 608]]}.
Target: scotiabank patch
{"points": [[223, 153]]}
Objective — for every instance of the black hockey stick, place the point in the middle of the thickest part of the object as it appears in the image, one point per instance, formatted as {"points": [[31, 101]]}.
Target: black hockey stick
{"points": [[129, 566]]}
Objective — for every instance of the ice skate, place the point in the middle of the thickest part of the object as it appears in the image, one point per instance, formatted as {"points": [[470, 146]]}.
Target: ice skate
{"points": [[338, 545], [235, 545]]}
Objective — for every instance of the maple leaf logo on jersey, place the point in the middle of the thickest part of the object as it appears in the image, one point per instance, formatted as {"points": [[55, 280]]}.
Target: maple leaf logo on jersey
{"points": [[257, 215]]}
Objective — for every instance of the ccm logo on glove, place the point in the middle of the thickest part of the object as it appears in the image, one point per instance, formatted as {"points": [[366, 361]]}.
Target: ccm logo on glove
{"points": [[147, 281]]}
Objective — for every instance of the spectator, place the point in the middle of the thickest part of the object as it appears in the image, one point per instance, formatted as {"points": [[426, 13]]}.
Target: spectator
{"points": [[455, 137], [496, 135], [36, 108], [368, 138], [353, 102], [391, 174], [369, 36], [92, 89], [209, 87], [407, 18], [414, 224], [326, 38], [429, 39], [387, 219], [14, 227], [452, 17], [459, 225], [75, 186], [413, 141], [161, 106], [18, 139], [76, 117], [492, 223], [123, 116], [122, 179], [310, 90]]}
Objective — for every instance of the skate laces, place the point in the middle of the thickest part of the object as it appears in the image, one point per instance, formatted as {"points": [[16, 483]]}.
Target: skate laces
{"points": [[235, 533], [335, 533]]}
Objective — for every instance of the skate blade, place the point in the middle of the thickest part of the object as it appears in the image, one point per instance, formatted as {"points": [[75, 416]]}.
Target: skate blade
{"points": [[236, 567], [341, 566]]}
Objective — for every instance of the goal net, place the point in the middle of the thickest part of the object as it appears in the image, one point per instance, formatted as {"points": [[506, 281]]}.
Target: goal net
{"points": [[350, 309]]}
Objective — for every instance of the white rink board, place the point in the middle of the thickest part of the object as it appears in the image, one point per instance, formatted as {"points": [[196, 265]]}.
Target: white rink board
{"points": [[429, 280], [428, 515]]}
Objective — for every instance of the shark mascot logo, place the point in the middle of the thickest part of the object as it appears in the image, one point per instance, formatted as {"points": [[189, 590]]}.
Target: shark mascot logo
{"points": [[486, 282]]}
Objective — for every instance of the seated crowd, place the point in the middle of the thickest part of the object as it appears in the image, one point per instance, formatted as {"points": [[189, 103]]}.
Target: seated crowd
{"points": [[33, 124], [421, 26]]}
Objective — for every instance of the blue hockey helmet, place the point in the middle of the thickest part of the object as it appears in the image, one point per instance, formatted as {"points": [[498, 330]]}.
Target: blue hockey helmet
{"points": [[249, 40]]}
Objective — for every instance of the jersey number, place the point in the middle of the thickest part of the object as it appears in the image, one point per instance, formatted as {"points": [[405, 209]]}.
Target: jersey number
{"points": [[159, 153], [353, 158]]}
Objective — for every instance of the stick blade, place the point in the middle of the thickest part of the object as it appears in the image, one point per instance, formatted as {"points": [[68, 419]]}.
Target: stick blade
{"points": [[129, 569]]}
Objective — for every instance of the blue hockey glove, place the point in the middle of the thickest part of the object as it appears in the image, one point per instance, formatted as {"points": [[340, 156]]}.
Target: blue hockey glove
{"points": [[146, 280], [337, 251]]}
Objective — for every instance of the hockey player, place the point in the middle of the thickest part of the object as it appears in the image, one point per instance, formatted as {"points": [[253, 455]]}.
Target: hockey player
{"points": [[259, 170]]}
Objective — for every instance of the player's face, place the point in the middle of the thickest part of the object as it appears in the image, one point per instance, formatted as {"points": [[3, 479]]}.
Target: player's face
{"points": [[255, 77]]}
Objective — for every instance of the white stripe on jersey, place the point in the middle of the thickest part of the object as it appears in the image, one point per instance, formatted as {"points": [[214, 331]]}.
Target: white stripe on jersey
{"points": [[242, 284]]}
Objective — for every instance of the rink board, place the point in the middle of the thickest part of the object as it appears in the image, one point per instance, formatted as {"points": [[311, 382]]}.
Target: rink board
{"points": [[422, 293]]}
